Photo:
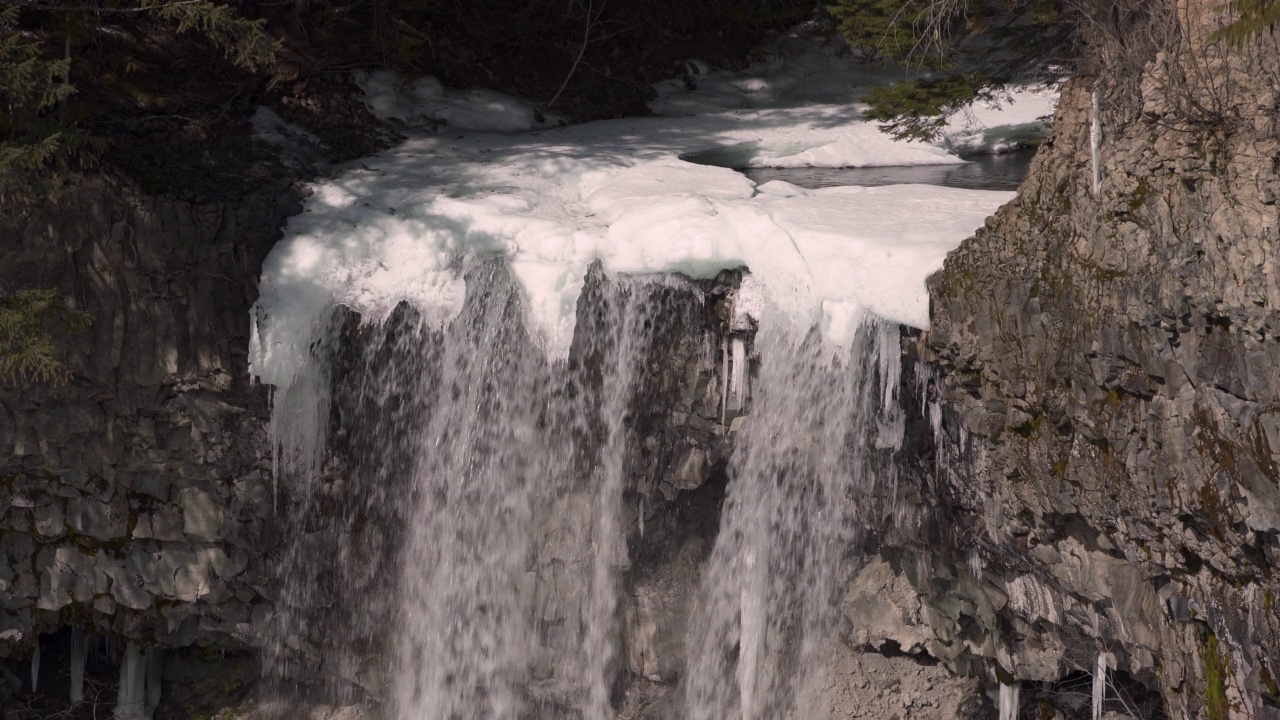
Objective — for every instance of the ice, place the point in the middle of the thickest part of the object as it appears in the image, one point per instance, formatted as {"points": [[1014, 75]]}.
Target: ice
{"points": [[1095, 143], [750, 300], [1010, 700], [271, 128], [644, 195], [1099, 685], [400, 226], [35, 666], [76, 661], [296, 144], [131, 692]]}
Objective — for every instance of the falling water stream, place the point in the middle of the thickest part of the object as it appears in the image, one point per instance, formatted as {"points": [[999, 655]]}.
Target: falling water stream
{"points": [[454, 503], [494, 479], [802, 467]]}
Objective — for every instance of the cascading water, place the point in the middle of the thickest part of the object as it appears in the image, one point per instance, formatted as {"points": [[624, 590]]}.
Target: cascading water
{"points": [[804, 469], [494, 479]]}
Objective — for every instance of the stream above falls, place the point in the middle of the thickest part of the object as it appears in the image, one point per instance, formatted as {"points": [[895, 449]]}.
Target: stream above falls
{"points": [[1002, 171]]}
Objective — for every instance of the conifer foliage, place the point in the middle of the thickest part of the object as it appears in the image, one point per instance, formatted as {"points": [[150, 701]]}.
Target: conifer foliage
{"points": [[32, 138], [30, 323], [39, 139], [955, 52], [1253, 17]]}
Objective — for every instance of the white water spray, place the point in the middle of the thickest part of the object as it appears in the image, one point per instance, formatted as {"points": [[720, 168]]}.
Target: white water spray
{"points": [[803, 468], [510, 471]]}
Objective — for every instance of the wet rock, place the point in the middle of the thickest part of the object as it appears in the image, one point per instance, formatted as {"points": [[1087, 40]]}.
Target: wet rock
{"points": [[656, 616]]}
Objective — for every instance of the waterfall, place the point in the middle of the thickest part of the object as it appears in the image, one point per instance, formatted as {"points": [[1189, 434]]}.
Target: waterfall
{"points": [[472, 533], [803, 471]]}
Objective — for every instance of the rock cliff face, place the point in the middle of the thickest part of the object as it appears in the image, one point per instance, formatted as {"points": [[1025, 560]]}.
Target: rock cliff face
{"points": [[137, 499], [1101, 478], [1110, 382]]}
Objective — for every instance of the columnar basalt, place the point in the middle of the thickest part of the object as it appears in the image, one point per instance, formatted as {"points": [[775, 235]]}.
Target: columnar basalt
{"points": [[1110, 381], [136, 498]]}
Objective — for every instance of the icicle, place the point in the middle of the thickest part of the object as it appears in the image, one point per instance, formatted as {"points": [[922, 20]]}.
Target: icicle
{"points": [[77, 665], [154, 668], [1010, 700], [35, 667], [724, 382], [1099, 686], [131, 696], [1095, 144], [738, 384]]}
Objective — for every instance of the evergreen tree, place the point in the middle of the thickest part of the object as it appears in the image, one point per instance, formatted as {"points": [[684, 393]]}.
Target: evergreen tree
{"points": [[30, 322], [957, 52], [32, 138], [38, 139], [1253, 17], [962, 51]]}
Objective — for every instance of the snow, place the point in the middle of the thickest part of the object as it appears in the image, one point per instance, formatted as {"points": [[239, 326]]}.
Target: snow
{"points": [[1009, 123], [643, 195], [812, 65]]}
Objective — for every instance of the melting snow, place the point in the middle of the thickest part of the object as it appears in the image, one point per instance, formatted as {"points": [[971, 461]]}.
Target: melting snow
{"points": [[398, 226]]}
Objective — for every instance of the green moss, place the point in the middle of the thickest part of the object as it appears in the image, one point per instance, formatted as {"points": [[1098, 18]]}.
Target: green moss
{"points": [[1216, 669], [1139, 196]]}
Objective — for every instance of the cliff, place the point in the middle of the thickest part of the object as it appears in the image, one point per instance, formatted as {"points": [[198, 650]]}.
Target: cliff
{"points": [[1110, 383]]}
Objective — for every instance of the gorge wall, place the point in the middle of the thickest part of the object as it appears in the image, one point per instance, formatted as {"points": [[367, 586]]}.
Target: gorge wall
{"points": [[1110, 381], [137, 497], [1100, 476]]}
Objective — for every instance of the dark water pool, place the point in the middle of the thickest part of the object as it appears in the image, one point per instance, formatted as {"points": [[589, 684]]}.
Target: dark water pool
{"points": [[982, 172]]}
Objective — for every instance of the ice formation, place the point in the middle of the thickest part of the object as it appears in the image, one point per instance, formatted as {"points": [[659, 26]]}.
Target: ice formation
{"points": [[400, 225], [426, 102], [641, 194], [77, 660], [1010, 700], [1095, 143], [1099, 685]]}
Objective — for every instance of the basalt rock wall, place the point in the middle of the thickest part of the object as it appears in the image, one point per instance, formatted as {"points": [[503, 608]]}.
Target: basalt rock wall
{"points": [[1110, 389], [136, 498]]}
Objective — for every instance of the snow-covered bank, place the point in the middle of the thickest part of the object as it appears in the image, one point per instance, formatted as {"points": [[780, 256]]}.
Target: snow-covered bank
{"points": [[811, 65], [642, 195], [400, 225]]}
